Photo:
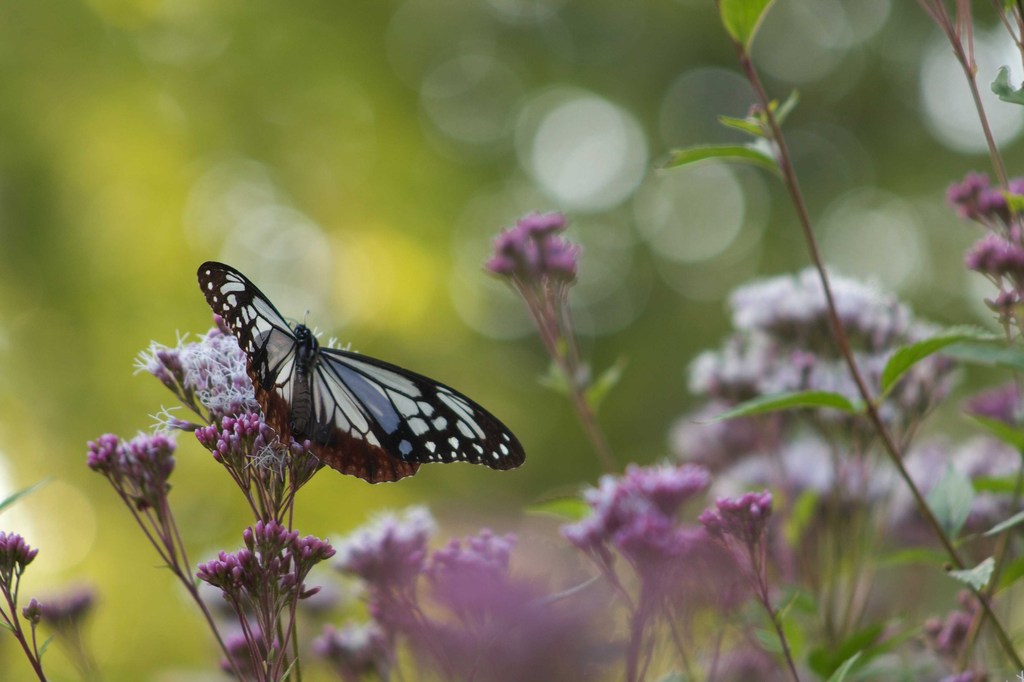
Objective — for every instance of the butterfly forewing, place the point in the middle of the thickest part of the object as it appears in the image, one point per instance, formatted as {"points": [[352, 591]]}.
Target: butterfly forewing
{"points": [[362, 416]]}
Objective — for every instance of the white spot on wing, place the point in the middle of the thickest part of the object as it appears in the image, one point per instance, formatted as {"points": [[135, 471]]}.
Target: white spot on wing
{"points": [[463, 410], [407, 407], [465, 430], [418, 426], [385, 376]]}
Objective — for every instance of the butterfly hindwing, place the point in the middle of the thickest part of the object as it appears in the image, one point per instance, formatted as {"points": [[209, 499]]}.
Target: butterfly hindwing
{"points": [[415, 418], [362, 416]]}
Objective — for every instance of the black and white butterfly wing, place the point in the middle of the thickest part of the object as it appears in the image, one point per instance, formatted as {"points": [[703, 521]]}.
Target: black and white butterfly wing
{"points": [[263, 334], [363, 417], [416, 419]]}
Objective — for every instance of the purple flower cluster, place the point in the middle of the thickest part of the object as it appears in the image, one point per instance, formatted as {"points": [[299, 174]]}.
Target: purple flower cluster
{"points": [[266, 470], [208, 376], [458, 608], [273, 557], [783, 343], [390, 552], [720, 443], [998, 254], [947, 636], [975, 199], [637, 515], [263, 583], [355, 651], [1002, 403], [68, 609], [15, 555], [996, 257], [471, 577], [533, 251], [485, 553], [743, 518], [138, 469]]}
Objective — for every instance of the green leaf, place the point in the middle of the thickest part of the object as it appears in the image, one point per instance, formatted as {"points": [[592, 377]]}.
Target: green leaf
{"points": [[45, 646], [599, 390], [782, 111], [1009, 523], [5, 626], [14, 497], [757, 125], [950, 500], [802, 512], [567, 508], [725, 152], [1006, 92], [913, 556], [842, 671], [742, 18], [1000, 485], [1011, 572], [988, 354], [1015, 202], [978, 576], [554, 380], [747, 125], [789, 401], [828, 660], [1011, 435], [907, 356]]}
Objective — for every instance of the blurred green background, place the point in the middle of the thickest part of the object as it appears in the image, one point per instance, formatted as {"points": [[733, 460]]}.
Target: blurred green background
{"points": [[355, 158]]}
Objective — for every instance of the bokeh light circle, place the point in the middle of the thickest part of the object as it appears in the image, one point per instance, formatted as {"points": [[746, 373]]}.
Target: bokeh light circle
{"points": [[946, 101], [583, 151], [873, 235], [690, 214]]}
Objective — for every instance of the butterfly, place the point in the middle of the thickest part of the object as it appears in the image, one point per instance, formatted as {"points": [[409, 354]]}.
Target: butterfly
{"points": [[362, 416]]}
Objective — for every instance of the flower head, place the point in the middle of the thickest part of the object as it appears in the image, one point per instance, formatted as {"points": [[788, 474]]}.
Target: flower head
{"points": [[714, 443], [947, 636], [743, 518], [468, 576], [273, 559], [532, 250], [389, 552], [997, 257], [68, 610], [355, 650], [784, 343], [138, 469], [974, 199], [209, 374], [636, 515], [15, 555], [1002, 403]]}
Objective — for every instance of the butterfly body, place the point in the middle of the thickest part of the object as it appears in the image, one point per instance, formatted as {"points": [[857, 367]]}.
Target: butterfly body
{"points": [[362, 416]]}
